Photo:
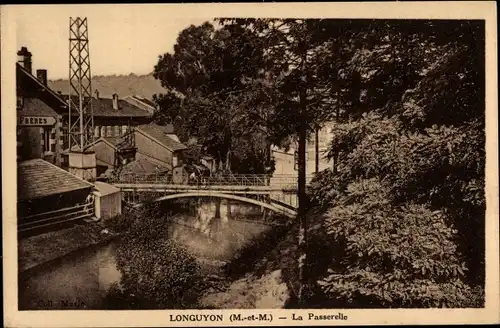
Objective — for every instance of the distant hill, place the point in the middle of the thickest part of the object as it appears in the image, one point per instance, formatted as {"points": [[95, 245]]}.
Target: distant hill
{"points": [[123, 85]]}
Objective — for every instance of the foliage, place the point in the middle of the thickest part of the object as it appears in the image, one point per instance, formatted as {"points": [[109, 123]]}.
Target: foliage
{"points": [[398, 256], [407, 202], [206, 77], [156, 273]]}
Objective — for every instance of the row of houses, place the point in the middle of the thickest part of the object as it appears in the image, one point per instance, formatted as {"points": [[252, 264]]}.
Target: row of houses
{"points": [[125, 138], [43, 120]]}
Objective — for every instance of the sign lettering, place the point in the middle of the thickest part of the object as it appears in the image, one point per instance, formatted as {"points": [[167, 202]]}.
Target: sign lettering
{"points": [[36, 121]]}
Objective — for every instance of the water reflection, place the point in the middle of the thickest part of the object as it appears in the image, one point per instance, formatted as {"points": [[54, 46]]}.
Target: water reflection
{"points": [[78, 282]]}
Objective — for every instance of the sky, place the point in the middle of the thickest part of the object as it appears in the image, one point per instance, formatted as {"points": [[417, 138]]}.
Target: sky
{"points": [[123, 39]]}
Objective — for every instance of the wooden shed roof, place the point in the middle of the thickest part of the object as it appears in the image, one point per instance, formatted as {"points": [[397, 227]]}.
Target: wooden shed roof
{"points": [[37, 178]]}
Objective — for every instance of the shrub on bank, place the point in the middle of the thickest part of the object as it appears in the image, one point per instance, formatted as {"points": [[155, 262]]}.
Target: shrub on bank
{"points": [[156, 272]]}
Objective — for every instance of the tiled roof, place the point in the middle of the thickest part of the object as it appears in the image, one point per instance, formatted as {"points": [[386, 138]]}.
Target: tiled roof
{"points": [[143, 165], [160, 134], [37, 178], [103, 107], [36, 107]]}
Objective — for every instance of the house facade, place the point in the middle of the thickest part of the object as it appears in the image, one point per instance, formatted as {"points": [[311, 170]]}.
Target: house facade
{"points": [[39, 114]]}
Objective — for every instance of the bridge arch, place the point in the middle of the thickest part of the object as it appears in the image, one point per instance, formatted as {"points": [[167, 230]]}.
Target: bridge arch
{"points": [[281, 210]]}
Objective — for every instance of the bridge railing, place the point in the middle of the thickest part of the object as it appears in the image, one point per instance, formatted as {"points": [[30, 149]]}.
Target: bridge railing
{"points": [[288, 180]]}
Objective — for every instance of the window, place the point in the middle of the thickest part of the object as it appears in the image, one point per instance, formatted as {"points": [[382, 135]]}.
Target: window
{"points": [[46, 140], [20, 102], [103, 131], [117, 130], [97, 129], [174, 161], [124, 129], [109, 132]]}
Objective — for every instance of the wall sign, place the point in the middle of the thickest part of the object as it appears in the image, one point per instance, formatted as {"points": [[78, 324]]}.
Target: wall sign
{"points": [[36, 121]]}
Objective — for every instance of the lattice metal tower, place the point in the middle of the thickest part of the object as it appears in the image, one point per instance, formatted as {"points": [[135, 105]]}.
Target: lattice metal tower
{"points": [[81, 118]]}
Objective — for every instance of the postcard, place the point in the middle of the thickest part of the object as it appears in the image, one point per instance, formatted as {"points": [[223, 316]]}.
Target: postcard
{"points": [[250, 164]]}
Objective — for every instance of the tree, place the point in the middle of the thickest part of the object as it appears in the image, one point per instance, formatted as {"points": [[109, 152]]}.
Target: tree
{"points": [[207, 77], [407, 202]]}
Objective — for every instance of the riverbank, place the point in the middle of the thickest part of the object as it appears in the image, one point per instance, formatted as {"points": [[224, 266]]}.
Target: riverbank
{"points": [[39, 249], [227, 250]]}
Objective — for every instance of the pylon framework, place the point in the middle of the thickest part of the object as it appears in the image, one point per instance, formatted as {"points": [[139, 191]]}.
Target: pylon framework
{"points": [[82, 161], [81, 118]]}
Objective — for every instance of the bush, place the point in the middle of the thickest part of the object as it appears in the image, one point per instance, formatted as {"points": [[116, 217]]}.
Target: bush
{"points": [[395, 256], [156, 272]]}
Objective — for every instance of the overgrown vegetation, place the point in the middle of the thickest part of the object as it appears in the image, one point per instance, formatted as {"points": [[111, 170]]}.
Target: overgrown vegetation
{"points": [[403, 207], [406, 202], [156, 272]]}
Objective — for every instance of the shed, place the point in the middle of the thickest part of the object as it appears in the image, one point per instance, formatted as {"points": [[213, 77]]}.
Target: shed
{"points": [[108, 200], [42, 187]]}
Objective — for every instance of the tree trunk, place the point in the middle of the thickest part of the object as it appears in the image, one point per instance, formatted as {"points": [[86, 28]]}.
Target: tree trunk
{"points": [[316, 169], [301, 213], [228, 161]]}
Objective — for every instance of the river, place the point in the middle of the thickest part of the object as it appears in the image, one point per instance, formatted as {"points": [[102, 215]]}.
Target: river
{"points": [[81, 280]]}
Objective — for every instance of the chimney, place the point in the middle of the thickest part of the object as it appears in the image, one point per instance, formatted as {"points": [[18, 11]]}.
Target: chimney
{"points": [[41, 75], [24, 58], [96, 94], [115, 101]]}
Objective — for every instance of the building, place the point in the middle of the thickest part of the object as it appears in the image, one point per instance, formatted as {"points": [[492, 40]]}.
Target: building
{"points": [[285, 161], [148, 148], [159, 144], [123, 128], [108, 201], [113, 116], [47, 195], [39, 114]]}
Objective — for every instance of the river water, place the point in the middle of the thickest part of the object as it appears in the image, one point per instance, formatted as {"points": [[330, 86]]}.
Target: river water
{"points": [[81, 280]]}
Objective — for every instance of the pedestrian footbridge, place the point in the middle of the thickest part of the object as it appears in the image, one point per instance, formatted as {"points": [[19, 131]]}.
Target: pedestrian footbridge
{"points": [[277, 193]]}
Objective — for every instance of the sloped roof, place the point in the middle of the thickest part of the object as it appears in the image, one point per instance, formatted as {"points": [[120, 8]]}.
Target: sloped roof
{"points": [[118, 143], [112, 141], [161, 134], [105, 188], [146, 101], [103, 107], [22, 72], [36, 107], [37, 178], [143, 165], [151, 106]]}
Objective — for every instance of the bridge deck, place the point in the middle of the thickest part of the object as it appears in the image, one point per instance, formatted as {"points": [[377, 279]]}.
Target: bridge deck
{"points": [[282, 189]]}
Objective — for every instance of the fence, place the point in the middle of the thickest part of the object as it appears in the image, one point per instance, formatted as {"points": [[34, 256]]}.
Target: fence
{"points": [[51, 218]]}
